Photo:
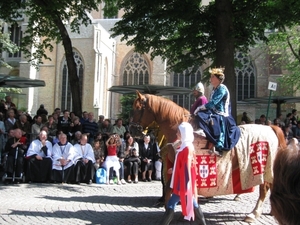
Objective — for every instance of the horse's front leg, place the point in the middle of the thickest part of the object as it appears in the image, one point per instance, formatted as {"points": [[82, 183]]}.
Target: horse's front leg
{"points": [[257, 211]]}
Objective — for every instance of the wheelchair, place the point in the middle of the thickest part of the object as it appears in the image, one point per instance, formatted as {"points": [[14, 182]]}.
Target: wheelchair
{"points": [[12, 176]]}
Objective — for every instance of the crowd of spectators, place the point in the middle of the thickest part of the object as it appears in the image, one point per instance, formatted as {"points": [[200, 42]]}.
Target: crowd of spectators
{"points": [[290, 125], [65, 147]]}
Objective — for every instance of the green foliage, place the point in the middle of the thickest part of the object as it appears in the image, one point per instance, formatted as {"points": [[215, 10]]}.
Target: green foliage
{"points": [[126, 102], [42, 29], [285, 45], [6, 45], [184, 32]]}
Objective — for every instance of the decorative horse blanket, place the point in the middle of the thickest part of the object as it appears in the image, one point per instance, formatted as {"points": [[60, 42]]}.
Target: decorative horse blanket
{"points": [[254, 154]]}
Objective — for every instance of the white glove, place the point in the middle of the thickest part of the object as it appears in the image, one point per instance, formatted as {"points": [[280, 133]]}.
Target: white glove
{"points": [[202, 107]]}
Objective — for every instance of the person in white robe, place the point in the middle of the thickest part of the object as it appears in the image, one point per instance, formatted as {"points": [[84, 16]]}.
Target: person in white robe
{"points": [[84, 160], [39, 161], [63, 160]]}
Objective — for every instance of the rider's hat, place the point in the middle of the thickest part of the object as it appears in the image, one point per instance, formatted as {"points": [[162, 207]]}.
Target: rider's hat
{"points": [[199, 87]]}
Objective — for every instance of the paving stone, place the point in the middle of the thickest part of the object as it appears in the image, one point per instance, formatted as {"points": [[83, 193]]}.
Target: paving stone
{"points": [[130, 204]]}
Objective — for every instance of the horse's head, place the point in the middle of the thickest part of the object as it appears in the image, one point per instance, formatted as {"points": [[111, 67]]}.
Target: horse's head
{"points": [[142, 116]]}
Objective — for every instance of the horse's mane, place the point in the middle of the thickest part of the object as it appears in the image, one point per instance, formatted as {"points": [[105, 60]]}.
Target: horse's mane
{"points": [[167, 109]]}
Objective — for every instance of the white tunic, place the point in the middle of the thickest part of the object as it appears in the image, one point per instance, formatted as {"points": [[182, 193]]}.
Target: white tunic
{"points": [[83, 152], [35, 148], [64, 151]]}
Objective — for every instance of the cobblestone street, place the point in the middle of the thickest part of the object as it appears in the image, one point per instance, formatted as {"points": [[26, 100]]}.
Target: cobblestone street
{"points": [[130, 204]]}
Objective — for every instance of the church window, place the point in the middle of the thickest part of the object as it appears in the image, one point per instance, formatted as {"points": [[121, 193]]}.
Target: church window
{"points": [[66, 95], [136, 70], [245, 77], [187, 79]]}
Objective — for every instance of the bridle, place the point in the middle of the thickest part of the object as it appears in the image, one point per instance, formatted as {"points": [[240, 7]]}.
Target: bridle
{"points": [[137, 124]]}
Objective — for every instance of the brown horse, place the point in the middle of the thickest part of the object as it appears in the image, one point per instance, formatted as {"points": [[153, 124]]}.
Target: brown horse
{"points": [[238, 171]]}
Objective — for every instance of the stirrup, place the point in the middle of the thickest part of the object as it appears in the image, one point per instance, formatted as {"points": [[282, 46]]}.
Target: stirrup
{"points": [[200, 132], [215, 152]]}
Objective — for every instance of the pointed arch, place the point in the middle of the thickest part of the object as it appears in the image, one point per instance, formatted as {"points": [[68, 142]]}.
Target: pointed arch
{"points": [[135, 70], [245, 77], [66, 95]]}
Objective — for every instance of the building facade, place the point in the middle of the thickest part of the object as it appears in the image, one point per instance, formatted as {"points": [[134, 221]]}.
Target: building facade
{"points": [[103, 61]]}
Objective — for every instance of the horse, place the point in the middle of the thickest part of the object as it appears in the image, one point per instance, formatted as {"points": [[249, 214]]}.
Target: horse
{"points": [[242, 168]]}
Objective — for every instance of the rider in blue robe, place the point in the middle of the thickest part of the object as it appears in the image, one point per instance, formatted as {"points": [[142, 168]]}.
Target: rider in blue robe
{"points": [[215, 116]]}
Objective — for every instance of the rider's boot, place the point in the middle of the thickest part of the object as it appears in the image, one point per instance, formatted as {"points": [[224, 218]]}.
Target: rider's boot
{"points": [[199, 217], [167, 218]]}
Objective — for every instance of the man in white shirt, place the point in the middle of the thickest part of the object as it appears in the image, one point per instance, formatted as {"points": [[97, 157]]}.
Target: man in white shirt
{"points": [[39, 165], [84, 160]]}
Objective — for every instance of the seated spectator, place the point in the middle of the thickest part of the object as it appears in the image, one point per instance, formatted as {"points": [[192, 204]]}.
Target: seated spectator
{"points": [[146, 153], [294, 118], [23, 125], [90, 127], [52, 126], [85, 117], [287, 120], [2, 133], [261, 120], [45, 128], [74, 127], [36, 127], [11, 120], [63, 160], [84, 160], [14, 144], [285, 193], [64, 122], [112, 159], [288, 133], [39, 167], [119, 128], [100, 120], [106, 127], [56, 138], [280, 120], [245, 118], [131, 160], [76, 139], [98, 148], [297, 131]]}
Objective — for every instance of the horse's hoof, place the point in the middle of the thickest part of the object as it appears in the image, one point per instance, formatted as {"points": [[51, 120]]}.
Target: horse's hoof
{"points": [[250, 218]]}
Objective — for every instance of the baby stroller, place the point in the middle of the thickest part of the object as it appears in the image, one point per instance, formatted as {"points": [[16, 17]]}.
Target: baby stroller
{"points": [[12, 164]]}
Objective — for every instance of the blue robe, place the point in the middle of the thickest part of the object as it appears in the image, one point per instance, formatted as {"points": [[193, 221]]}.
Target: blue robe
{"points": [[216, 120]]}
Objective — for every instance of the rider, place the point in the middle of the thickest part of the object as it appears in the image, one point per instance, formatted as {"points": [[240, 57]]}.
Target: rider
{"points": [[200, 99], [215, 115]]}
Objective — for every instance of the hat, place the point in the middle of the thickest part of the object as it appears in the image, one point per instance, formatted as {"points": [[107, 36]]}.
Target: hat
{"points": [[199, 87], [218, 72]]}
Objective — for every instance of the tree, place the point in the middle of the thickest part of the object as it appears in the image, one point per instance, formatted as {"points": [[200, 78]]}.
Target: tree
{"points": [[187, 33], [126, 102], [49, 21], [284, 47], [6, 45]]}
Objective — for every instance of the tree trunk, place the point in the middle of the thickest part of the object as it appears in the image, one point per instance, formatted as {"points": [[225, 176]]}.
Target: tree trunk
{"points": [[225, 48], [72, 71]]}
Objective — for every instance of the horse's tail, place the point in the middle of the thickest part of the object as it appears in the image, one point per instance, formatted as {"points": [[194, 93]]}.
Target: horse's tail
{"points": [[279, 133]]}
